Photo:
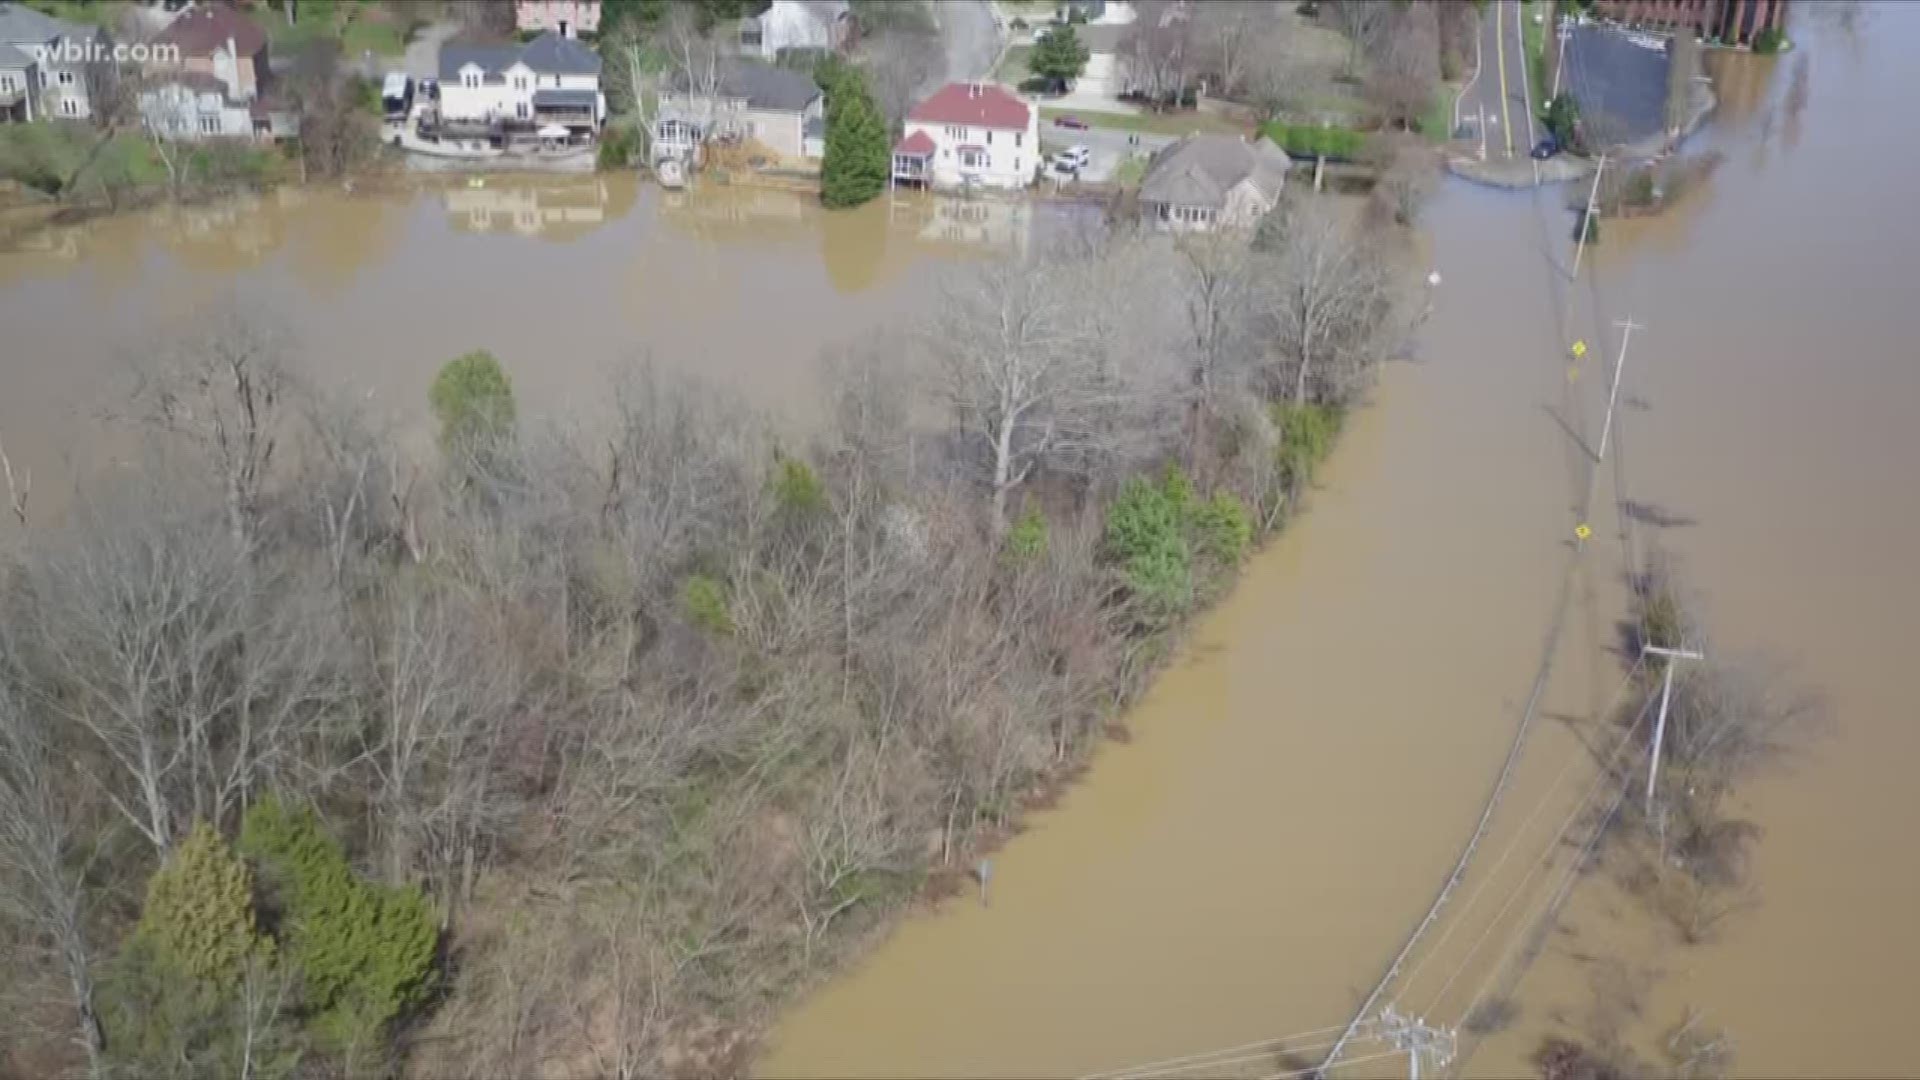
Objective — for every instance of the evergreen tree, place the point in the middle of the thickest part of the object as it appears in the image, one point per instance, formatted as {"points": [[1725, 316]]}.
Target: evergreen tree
{"points": [[473, 401], [858, 150], [1058, 55]]}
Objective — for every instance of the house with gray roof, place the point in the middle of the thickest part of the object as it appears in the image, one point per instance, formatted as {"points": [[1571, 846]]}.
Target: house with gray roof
{"points": [[1207, 182], [43, 65], [549, 86], [780, 109]]}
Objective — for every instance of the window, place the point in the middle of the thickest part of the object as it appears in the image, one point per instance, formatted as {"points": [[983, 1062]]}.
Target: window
{"points": [[65, 77], [989, 136], [6, 84], [973, 159], [209, 125], [470, 80], [520, 110], [1016, 139], [519, 82], [956, 131], [69, 107]]}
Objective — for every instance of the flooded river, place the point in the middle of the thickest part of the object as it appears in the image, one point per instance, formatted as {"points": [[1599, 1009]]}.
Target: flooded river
{"points": [[1301, 780], [1303, 776]]}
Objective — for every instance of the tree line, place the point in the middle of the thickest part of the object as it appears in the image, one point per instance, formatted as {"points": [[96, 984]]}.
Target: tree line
{"points": [[575, 747]]}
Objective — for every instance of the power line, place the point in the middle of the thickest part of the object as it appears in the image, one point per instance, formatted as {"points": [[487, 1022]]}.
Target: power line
{"points": [[1412, 977], [1316, 1070], [1545, 859], [1151, 1067]]}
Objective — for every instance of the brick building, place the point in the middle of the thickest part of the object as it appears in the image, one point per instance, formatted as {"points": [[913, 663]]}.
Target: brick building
{"points": [[1731, 21]]}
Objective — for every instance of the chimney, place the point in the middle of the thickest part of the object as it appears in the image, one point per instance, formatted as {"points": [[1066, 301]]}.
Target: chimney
{"points": [[974, 90]]}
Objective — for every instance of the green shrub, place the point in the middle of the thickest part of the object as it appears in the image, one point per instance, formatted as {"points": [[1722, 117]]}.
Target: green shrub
{"points": [[473, 400], [797, 488], [1146, 534], [1027, 539], [198, 918], [616, 148], [1222, 528], [1769, 41], [1306, 438], [171, 999], [365, 951], [703, 600]]}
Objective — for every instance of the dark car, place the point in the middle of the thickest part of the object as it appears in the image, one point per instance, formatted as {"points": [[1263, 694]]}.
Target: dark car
{"points": [[1073, 122], [1545, 148]]}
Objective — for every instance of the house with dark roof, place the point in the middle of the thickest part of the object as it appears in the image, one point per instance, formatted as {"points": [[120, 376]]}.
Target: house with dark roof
{"points": [[778, 108], [1207, 182], [550, 85], [216, 40], [43, 65], [967, 135]]}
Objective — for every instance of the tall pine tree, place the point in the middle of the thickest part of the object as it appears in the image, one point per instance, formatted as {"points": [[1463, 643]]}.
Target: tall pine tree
{"points": [[858, 150]]}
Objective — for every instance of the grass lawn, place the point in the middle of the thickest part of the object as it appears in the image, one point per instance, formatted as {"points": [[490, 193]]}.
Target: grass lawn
{"points": [[378, 36], [1437, 122], [1013, 66], [358, 29], [1180, 123], [92, 12], [1130, 172], [1534, 36]]}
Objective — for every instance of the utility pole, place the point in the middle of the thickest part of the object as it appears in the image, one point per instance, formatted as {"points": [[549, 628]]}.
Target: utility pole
{"points": [[1563, 32], [1418, 1039], [1660, 725], [1627, 326], [1586, 221]]}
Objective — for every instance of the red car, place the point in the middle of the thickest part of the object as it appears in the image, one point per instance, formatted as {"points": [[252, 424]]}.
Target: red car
{"points": [[1073, 122]]}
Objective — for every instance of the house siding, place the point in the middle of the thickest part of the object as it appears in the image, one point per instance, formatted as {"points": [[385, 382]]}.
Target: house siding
{"points": [[568, 17], [1010, 163]]}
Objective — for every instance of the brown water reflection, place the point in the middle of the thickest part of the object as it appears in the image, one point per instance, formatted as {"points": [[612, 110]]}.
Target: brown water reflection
{"points": [[561, 277]]}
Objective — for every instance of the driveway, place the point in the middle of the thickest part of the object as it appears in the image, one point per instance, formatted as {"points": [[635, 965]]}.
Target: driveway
{"points": [[970, 37], [1107, 147], [422, 59]]}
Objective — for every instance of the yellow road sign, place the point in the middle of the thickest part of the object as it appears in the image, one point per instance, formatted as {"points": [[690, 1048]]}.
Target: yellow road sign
{"points": [[1579, 349], [1582, 531]]}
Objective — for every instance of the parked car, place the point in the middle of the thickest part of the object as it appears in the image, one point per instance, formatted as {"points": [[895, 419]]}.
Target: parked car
{"points": [[1072, 122], [1545, 148], [1077, 155]]}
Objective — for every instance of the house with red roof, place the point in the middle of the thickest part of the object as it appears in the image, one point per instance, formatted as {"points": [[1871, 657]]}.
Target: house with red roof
{"points": [[969, 134]]}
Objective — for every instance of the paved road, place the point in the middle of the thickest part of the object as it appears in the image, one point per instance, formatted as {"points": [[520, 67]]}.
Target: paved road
{"points": [[971, 38], [1500, 88]]}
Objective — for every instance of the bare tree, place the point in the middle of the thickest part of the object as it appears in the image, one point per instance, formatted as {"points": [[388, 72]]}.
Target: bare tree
{"points": [[336, 135], [1019, 370], [1158, 50], [1229, 32], [19, 485], [1366, 23], [1328, 304], [670, 77], [1219, 291], [1276, 79], [42, 875], [1403, 62], [223, 390]]}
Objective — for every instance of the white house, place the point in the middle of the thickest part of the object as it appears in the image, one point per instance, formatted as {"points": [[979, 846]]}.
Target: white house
{"points": [[568, 18], [551, 81], [970, 134], [43, 65], [823, 25], [193, 105]]}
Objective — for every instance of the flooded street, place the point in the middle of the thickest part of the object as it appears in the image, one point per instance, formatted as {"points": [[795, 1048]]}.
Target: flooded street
{"points": [[1300, 782], [1303, 775]]}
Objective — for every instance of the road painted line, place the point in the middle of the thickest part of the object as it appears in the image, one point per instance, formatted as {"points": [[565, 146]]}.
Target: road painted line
{"points": [[1500, 50]]}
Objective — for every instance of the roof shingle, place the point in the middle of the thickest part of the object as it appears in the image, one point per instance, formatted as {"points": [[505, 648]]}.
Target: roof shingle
{"points": [[974, 105], [205, 28]]}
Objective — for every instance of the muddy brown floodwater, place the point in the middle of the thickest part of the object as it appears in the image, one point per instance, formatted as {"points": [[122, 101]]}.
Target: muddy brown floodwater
{"points": [[1304, 774], [1300, 780], [562, 278]]}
